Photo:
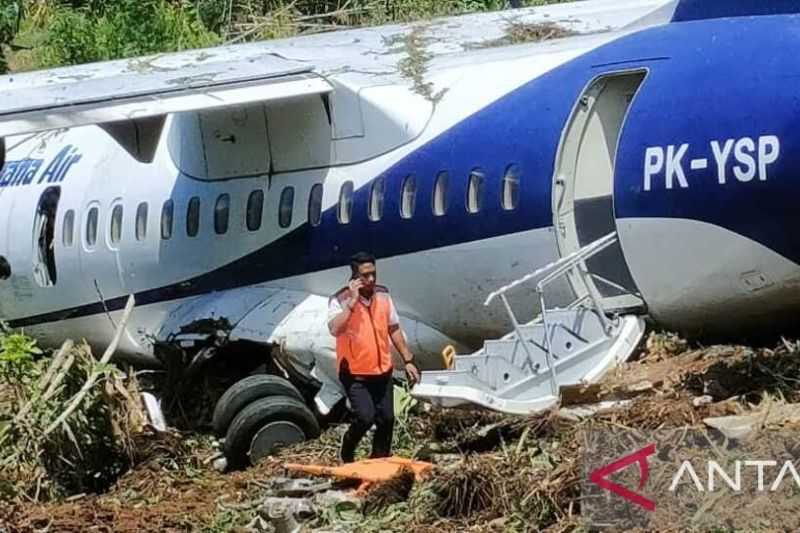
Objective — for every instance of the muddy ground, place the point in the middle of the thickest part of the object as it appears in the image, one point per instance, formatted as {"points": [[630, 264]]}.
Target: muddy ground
{"points": [[493, 472]]}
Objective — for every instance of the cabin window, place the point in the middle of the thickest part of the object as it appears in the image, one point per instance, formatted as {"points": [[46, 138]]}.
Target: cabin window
{"points": [[376, 200], [68, 230], [475, 191], [440, 194], [141, 221], [408, 197], [315, 205], [193, 217], [91, 227], [44, 227], [510, 197], [255, 210], [222, 212], [285, 208], [167, 217], [346, 202], [115, 234]]}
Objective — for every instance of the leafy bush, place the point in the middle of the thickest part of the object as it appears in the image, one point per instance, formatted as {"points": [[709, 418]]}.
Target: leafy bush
{"points": [[42, 457], [10, 16], [126, 28]]}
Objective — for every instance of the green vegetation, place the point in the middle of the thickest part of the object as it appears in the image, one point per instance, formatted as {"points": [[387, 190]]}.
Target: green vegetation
{"points": [[45, 452], [122, 29], [46, 33], [10, 17]]}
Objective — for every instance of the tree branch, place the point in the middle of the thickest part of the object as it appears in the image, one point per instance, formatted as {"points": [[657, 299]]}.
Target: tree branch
{"points": [[78, 398]]}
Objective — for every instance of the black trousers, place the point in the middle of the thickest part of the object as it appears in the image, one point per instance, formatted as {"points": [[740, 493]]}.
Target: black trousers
{"points": [[372, 402]]}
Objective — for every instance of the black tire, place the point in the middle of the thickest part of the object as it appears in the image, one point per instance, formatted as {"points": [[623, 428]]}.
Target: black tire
{"points": [[255, 416], [246, 391]]}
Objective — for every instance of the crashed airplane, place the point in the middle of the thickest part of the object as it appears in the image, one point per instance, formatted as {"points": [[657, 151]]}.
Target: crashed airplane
{"points": [[642, 163]]}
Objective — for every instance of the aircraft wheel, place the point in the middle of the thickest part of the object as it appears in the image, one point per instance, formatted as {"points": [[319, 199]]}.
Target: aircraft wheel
{"points": [[265, 426], [247, 391]]}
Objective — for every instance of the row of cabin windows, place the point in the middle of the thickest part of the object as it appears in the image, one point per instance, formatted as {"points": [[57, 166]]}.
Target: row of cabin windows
{"points": [[253, 219], [509, 200]]}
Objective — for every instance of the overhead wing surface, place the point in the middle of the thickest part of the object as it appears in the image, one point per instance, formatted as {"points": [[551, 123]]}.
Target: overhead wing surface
{"points": [[128, 89], [151, 91]]}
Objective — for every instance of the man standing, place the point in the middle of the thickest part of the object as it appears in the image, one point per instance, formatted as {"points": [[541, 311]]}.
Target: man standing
{"points": [[363, 318]]}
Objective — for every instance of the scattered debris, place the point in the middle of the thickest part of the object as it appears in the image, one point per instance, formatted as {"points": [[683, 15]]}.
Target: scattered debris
{"points": [[491, 472], [467, 489], [394, 490], [740, 426], [519, 32], [72, 420], [414, 66], [284, 513], [154, 412], [299, 488], [192, 381]]}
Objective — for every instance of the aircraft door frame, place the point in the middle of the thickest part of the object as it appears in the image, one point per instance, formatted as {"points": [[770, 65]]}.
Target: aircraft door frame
{"points": [[583, 183], [43, 245]]}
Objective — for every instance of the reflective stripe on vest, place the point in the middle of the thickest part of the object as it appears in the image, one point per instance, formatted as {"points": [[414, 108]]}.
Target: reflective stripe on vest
{"points": [[364, 343]]}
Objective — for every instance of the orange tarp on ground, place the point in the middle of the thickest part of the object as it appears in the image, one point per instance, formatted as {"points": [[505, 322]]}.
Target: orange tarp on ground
{"points": [[370, 470]]}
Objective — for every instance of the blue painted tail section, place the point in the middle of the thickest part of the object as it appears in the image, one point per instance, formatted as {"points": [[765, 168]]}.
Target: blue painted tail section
{"points": [[688, 10]]}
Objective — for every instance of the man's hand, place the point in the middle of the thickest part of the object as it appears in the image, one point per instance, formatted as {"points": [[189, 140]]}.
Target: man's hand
{"points": [[399, 340], [337, 325], [355, 286], [412, 373]]}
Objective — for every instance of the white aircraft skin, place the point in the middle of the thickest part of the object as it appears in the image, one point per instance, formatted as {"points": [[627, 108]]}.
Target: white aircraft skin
{"points": [[272, 283]]}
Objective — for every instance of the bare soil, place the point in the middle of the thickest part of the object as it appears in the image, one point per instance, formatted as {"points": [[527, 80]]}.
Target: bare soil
{"points": [[494, 473]]}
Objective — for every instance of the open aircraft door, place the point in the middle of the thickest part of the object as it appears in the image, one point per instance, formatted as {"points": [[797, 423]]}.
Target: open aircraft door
{"points": [[583, 202]]}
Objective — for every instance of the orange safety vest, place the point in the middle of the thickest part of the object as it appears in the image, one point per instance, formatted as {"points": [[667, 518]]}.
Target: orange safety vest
{"points": [[364, 343]]}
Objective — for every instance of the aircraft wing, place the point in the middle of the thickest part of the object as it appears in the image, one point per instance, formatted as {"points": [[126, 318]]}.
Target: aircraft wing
{"points": [[131, 89], [146, 89]]}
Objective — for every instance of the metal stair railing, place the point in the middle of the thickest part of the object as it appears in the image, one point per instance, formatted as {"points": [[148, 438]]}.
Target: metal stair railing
{"points": [[574, 263]]}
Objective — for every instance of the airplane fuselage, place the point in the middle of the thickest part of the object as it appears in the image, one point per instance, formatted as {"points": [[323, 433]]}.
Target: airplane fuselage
{"points": [[682, 138]]}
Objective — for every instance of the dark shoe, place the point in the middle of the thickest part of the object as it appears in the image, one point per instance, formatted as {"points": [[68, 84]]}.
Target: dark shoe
{"points": [[347, 452]]}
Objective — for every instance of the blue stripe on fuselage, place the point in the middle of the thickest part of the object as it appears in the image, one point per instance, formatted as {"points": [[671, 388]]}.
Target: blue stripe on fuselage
{"points": [[523, 127], [729, 79], [712, 9]]}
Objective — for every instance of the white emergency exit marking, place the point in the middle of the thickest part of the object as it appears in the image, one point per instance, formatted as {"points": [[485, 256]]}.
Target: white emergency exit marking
{"points": [[741, 159]]}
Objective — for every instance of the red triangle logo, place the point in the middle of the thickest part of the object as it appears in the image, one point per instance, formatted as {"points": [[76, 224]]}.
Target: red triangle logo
{"points": [[600, 477]]}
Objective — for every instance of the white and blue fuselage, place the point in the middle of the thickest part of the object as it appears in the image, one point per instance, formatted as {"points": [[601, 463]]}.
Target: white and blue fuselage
{"points": [[680, 134]]}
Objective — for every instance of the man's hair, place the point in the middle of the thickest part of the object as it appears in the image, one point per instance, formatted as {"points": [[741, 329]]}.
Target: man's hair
{"points": [[5, 268], [359, 259]]}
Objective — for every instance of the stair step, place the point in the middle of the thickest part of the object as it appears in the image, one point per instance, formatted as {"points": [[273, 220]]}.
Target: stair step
{"points": [[495, 371], [501, 375], [514, 352], [524, 371], [463, 378]]}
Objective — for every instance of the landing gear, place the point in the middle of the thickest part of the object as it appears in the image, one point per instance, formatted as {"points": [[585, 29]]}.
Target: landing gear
{"points": [[267, 425], [246, 391], [259, 415]]}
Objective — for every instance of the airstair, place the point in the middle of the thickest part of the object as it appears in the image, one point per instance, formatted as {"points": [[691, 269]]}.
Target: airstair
{"points": [[522, 373]]}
